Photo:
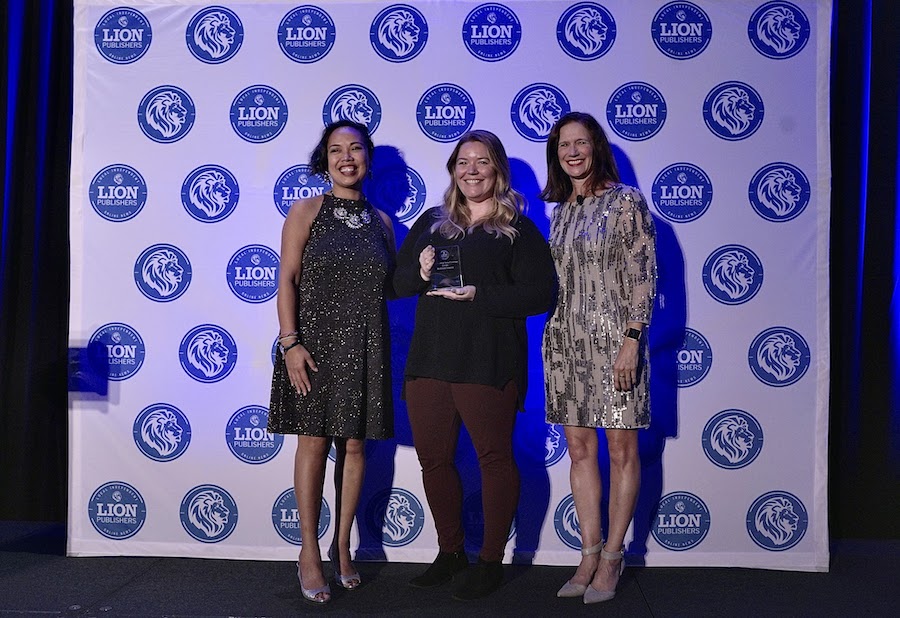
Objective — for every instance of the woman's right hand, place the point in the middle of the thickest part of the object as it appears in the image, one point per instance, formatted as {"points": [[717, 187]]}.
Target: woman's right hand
{"points": [[296, 360], [426, 263]]}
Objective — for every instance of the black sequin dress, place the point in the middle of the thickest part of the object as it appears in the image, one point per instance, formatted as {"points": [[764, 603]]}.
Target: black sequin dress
{"points": [[342, 321]]}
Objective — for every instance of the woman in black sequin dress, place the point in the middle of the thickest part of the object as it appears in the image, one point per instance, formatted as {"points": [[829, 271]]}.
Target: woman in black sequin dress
{"points": [[332, 370]]}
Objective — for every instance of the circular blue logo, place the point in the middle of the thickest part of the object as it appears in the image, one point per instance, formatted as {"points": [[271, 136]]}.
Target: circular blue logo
{"points": [[125, 349], [779, 356], [565, 522], [473, 522], [733, 111], [286, 518], [536, 109], [214, 35], [732, 274], [210, 193], [166, 114], [162, 272], [248, 438], [306, 34], [252, 273], [274, 351], [117, 510], [297, 183], [586, 31], [732, 439], [779, 192], [395, 515], [208, 513], [123, 35], [162, 432], [777, 521], [778, 30], [491, 32], [258, 114], [118, 193], [681, 30], [445, 112], [682, 521], [207, 353], [636, 111], [682, 192], [399, 33], [353, 102], [693, 359], [415, 197], [555, 445]]}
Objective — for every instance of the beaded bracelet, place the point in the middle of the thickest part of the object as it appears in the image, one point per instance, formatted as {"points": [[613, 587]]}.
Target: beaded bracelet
{"points": [[284, 349]]}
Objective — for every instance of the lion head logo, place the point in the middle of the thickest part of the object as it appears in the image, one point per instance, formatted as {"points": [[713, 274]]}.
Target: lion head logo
{"points": [[207, 352], [352, 105], [412, 195], [776, 520], [732, 110], [162, 272], [214, 34], [209, 193], [399, 518], [161, 431], [539, 111], [398, 32], [732, 439], [779, 29], [779, 192], [586, 31], [570, 521], [732, 274], [551, 445], [779, 356], [207, 512], [166, 113]]}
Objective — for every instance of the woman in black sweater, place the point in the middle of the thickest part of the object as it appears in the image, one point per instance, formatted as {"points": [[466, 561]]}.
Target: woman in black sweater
{"points": [[467, 358]]}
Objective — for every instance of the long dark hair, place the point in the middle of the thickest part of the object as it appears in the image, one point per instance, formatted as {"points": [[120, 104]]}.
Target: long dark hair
{"points": [[603, 167], [318, 158]]}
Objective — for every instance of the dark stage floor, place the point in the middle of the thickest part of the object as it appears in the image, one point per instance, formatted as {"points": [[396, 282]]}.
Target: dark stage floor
{"points": [[37, 579]]}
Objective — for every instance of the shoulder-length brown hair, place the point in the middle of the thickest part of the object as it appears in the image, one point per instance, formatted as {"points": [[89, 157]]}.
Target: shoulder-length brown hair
{"points": [[603, 168], [455, 217]]}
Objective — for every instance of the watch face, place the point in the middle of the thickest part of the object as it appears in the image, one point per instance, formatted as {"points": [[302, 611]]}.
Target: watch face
{"points": [[633, 333]]}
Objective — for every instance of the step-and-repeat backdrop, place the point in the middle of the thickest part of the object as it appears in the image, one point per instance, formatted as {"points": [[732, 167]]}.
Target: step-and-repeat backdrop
{"points": [[193, 123]]}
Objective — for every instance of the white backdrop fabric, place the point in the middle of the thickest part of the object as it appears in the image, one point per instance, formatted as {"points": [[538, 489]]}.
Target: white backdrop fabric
{"points": [[193, 123]]}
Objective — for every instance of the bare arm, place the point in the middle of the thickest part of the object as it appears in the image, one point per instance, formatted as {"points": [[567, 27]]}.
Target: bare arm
{"points": [[294, 236]]}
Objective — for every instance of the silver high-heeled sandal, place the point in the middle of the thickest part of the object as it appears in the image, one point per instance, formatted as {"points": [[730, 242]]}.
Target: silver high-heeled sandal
{"points": [[313, 595], [570, 590], [591, 594], [347, 582]]}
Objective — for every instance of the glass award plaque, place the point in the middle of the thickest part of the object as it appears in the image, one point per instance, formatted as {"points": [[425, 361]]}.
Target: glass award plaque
{"points": [[447, 270]]}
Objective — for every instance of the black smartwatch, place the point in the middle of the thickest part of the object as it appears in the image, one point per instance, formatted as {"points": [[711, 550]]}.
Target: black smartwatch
{"points": [[633, 333]]}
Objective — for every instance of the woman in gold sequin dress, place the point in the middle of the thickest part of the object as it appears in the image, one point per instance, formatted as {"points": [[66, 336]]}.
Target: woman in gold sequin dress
{"points": [[603, 243], [332, 373]]}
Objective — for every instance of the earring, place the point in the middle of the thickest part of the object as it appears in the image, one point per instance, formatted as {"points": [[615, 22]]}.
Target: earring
{"points": [[326, 177]]}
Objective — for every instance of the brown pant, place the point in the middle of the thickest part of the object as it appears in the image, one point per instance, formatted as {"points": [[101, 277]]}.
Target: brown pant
{"points": [[435, 410]]}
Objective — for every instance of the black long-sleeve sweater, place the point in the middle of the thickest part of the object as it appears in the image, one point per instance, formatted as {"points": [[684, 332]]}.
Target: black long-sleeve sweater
{"points": [[482, 341]]}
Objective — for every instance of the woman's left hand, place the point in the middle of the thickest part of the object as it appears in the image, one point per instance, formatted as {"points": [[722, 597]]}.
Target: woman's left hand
{"points": [[626, 366], [466, 292]]}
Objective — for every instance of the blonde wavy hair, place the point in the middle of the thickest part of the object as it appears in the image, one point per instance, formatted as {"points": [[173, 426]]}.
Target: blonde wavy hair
{"points": [[455, 219]]}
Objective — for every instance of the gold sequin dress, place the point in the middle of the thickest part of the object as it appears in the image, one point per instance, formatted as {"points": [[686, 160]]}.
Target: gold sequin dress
{"points": [[342, 320], [605, 256]]}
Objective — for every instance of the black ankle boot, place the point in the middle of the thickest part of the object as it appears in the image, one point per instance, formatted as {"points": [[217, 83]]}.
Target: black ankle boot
{"points": [[442, 570], [480, 581]]}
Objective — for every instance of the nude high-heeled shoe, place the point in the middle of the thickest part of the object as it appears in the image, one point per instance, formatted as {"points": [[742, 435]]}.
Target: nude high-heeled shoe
{"points": [[570, 590], [347, 582], [312, 595], [591, 594]]}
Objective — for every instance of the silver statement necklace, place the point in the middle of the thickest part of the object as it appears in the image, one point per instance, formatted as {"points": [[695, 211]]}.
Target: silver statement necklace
{"points": [[352, 220]]}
